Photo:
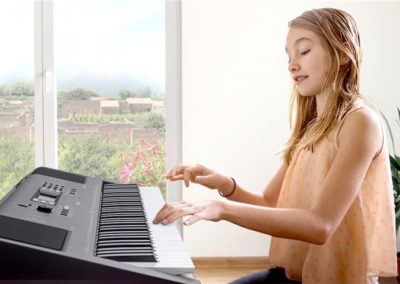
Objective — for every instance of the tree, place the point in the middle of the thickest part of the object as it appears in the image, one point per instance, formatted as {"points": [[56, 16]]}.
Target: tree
{"points": [[77, 94], [2, 90], [155, 120], [17, 159], [144, 92], [20, 88], [124, 94], [92, 156]]}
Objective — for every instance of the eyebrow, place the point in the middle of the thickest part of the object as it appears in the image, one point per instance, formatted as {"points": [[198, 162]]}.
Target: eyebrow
{"points": [[297, 41]]}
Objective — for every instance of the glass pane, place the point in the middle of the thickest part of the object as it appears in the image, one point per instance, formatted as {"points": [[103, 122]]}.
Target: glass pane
{"points": [[110, 61], [16, 92]]}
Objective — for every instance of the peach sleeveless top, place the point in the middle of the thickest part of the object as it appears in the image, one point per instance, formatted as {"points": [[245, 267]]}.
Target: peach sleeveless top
{"points": [[364, 244]]}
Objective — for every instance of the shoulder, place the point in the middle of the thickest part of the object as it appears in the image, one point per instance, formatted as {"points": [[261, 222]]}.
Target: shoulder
{"points": [[362, 128]]}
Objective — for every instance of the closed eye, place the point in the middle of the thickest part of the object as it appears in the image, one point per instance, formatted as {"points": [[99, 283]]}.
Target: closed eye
{"points": [[302, 53]]}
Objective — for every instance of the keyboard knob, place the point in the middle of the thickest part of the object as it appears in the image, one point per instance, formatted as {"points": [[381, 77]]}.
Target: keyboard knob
{"points": [[44, 208]]}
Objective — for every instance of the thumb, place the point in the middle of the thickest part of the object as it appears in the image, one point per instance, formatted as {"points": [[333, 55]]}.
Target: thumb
{"points": [[193, 219], [201, 179], [207, 181]]}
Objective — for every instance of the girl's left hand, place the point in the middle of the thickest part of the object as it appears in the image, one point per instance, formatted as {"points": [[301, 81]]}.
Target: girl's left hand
{"points": [[210, 210]]}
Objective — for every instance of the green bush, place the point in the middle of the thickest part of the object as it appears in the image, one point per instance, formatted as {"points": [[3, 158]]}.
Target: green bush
{"points": [[155, 120], [77, 94], [92, 157], [97, 118], [17, 159], [143, 163]]}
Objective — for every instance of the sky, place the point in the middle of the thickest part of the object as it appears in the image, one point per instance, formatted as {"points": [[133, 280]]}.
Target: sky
{"points": [[103, 43]]}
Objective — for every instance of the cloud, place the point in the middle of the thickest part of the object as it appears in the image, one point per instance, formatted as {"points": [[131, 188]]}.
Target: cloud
{"points": [[98, 37]]}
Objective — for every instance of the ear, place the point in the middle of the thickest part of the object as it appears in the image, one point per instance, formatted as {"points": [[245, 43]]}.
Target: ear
{"points": [[344, 59]]}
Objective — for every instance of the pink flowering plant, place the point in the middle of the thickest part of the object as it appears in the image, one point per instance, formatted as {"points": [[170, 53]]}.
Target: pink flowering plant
{"points": [[144, 164]]}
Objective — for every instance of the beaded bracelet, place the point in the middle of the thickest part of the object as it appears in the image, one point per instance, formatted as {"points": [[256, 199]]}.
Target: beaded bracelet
{"points": [[234, 189]]}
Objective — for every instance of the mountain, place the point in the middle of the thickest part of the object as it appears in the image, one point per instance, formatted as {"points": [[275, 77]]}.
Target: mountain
{"points": [[103, 85], [106, 85]]}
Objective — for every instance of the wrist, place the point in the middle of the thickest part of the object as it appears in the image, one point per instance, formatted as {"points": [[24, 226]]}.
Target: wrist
{"points": [[228, 188], [224, 209]]}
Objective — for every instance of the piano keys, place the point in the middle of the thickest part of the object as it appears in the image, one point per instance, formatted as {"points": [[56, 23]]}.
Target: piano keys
{"points": [[53, 222]]}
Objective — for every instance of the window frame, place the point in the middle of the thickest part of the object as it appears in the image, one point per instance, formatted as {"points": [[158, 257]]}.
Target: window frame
{"points": [[45, 119], [46, 141]]}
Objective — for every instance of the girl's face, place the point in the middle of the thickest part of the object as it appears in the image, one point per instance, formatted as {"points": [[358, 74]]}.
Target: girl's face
{"points": [[308, 60]]}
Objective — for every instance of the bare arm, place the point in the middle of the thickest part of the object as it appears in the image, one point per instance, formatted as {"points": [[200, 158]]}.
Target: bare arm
{"points": [[201, 175], [359, 141], [270, 195]]}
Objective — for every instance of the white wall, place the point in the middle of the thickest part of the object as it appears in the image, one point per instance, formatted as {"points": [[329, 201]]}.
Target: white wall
{"points": [[236, 91]]}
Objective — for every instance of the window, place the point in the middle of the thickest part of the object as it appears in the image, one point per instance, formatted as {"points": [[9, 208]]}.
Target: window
{"points": [[109, 77], [110, 62], [17, 156]]}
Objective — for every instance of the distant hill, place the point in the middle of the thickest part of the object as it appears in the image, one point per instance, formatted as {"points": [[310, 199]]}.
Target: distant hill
{"points": [[106, 86], [101, 85]]}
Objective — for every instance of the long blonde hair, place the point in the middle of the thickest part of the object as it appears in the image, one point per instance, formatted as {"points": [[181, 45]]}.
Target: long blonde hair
{"points": [[339, 35]]}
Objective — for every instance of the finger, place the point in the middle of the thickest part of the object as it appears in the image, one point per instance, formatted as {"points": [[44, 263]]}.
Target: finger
{"points": [[186, 176], [166, 210], [199, 170], [201, 179], [180, 169], [191, 173], [174, 178], [208, 181], [163, 211], [193, 219], [175, 170], [178, 213]]}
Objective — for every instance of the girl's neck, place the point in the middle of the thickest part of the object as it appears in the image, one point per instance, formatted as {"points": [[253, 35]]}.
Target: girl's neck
{"points": [[321, 100]]}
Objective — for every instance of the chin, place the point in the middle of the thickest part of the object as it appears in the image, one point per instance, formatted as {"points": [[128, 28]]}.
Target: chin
{"points": [[306, 94]]}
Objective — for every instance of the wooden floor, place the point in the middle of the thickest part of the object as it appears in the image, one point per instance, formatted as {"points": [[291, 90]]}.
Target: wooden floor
{"points": [[222, 270]]}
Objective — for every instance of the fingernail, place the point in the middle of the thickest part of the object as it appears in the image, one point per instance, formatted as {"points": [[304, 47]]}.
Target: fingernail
{"points": [[154, 221], [164, 222], [186, 223]]}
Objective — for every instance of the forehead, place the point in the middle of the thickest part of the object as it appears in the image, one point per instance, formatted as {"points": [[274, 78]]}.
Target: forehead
{"points": [[296, 35]]}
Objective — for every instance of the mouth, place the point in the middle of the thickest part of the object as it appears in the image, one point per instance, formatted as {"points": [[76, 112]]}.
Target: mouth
{"points": [[299, 79]]}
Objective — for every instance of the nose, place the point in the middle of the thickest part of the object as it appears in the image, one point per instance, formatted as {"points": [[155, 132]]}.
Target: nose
{"points": [[293, 67]]}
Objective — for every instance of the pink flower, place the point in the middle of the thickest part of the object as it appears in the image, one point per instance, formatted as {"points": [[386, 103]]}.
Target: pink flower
{"points": [[154, 149], [125, 173], [141, 156], [135, 156], [131, 165], [143, 143], [147, 168], [124, 157]]}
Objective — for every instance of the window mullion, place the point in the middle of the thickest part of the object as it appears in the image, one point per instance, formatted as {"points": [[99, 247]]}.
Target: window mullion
{"points": [[173, 98], [45, 88]]}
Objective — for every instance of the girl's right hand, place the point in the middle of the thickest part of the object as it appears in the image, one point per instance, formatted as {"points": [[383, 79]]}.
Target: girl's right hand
{"points": [[201, 175]]}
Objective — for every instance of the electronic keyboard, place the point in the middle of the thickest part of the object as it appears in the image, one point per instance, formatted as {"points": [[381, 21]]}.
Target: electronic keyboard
{"points": [[60, 225]]}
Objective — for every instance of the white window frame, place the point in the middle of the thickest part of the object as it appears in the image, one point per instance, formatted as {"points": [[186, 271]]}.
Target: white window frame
{"points": [[173, 58], [45, 87], [46, 142]]}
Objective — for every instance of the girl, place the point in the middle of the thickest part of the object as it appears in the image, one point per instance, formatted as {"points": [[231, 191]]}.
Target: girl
{"points": [[330, 206]]}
